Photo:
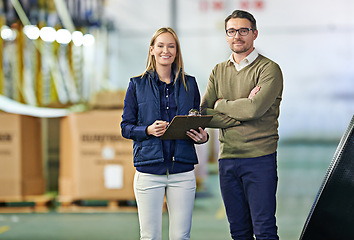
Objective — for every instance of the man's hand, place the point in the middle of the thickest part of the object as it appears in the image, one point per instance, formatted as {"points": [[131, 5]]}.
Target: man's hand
{"points": [[157, 128], [217, 101], [198, 137], [254, 91]]}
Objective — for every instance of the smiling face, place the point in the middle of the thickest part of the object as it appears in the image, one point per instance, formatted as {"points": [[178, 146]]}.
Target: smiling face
{"points": [[242, 45], [164, 49]]}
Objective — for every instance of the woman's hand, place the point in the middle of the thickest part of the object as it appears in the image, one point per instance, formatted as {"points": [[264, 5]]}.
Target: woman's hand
{"points": [[198, 137], [157, 128]]}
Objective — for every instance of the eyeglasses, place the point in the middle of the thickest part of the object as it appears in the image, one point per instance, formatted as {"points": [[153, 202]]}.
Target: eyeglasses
{"points": [[231, 32]]}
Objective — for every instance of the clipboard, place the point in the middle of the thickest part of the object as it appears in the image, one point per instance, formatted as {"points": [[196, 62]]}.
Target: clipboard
{"points": [[181, 124]]}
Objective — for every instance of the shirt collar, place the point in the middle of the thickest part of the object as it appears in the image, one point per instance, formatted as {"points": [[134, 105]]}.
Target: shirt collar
{"points": [[246, 61], [157, 79]]}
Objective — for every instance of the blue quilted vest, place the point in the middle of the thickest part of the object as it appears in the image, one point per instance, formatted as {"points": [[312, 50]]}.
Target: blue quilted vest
{"points": [[149, 150]]}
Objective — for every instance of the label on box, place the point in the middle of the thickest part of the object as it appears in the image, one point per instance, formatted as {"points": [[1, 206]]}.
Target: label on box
{"points": [[7, 145], [113, 176], [108, 153]]}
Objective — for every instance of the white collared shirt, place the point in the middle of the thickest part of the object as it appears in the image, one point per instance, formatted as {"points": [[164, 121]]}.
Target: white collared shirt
{"points": [[246, 61]]}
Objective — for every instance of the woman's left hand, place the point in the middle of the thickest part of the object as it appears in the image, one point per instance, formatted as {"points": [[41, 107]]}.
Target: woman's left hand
{"points": [[198, 137]]}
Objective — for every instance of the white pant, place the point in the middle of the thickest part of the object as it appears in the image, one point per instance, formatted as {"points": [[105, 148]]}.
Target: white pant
{"points": [[149, 192]]}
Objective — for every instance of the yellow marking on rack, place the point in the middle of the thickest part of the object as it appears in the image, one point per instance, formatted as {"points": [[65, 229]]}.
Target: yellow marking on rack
{"points": [[4, 229]]}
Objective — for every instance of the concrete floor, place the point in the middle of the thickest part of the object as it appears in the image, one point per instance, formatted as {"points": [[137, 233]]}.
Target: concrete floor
{"points": [[301, 169]]}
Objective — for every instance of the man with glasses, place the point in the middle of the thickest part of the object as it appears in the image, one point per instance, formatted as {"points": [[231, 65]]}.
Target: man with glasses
{"points": [[243, 95]]}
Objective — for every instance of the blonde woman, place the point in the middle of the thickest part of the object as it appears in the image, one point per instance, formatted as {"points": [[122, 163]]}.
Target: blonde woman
{"points": [[163, 167]]}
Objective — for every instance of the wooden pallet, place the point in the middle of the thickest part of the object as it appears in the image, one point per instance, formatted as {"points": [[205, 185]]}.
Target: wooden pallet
{"points": [[27, 204], [84, 206]]}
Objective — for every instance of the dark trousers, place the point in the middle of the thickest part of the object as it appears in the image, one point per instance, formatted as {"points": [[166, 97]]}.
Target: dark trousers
{"points": [[248, 187]]}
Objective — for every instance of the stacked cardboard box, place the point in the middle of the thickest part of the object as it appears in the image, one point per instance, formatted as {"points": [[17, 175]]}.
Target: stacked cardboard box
{"points": [[96, 162], [108, 100], [21, 167]]}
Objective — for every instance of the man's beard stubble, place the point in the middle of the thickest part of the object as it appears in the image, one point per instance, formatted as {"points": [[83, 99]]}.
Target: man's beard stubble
{"points": [[242, 50]]}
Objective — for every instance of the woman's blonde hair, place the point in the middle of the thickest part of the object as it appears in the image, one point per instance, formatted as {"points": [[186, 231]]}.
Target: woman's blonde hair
{"points": [[151, 61]]}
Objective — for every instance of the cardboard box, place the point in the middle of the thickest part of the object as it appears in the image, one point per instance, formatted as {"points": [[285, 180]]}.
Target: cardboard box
{"points": [[96, 162], [21, 167], [108, 100]]}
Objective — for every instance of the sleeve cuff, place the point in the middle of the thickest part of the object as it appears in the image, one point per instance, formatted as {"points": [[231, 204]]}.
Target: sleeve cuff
{"points": [[219, 105], [141, 132]]}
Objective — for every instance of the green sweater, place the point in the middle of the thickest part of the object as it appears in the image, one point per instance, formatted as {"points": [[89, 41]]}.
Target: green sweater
{"points": [[248, 127]]}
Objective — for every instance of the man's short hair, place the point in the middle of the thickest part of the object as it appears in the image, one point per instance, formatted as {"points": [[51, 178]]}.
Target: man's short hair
{"points": [[242, 14]]}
